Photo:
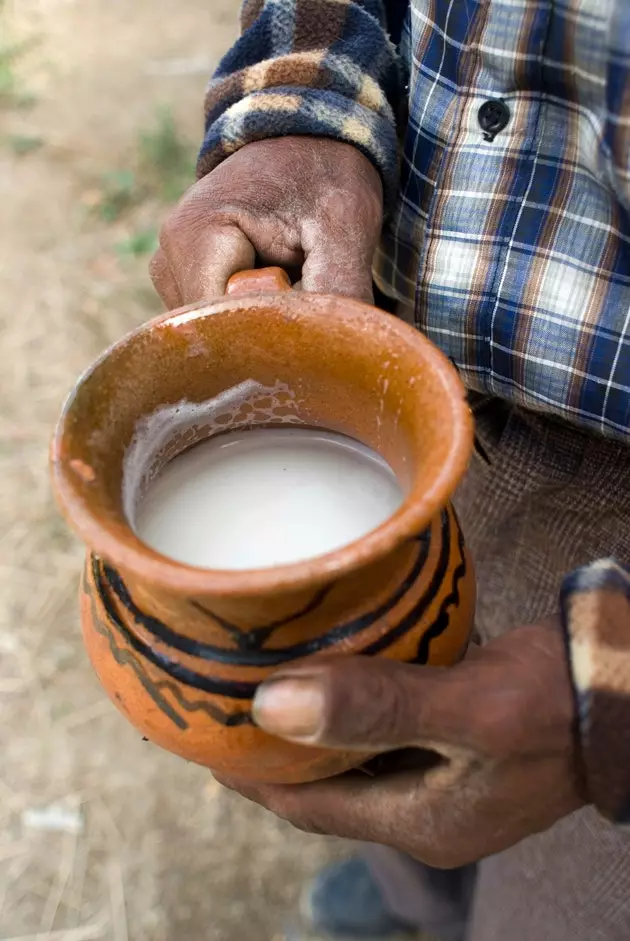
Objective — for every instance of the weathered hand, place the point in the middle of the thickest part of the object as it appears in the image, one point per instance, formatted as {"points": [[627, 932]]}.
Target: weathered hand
{"points": [[502, 724], [301, 203]]}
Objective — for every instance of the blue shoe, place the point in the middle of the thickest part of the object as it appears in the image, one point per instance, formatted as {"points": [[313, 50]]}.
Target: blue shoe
{"points": [[345, 902]]}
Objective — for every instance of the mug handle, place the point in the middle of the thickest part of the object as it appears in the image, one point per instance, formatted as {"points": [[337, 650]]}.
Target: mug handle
{"points": [[258, 281]]}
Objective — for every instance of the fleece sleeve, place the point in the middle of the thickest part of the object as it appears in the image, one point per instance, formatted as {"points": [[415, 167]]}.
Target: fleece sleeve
{"points": [[320, 68], [596, 615]]}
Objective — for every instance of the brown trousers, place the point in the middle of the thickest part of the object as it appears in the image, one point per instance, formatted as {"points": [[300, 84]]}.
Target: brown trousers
{"points": [[541, 499]]}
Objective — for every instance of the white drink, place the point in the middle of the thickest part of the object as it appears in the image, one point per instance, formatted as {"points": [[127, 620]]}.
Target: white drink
{"points": [[266, 497]]}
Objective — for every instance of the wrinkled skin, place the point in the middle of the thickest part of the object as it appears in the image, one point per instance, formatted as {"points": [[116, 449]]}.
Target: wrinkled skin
{"points": [[312, 206], [502, 724]]}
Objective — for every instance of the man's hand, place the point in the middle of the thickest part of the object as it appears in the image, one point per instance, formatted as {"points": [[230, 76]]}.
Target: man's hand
{"points": [[502, 724], [305, 204]]}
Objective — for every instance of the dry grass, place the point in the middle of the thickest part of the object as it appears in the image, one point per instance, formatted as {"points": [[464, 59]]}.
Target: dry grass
{"points": [[101, 835]]}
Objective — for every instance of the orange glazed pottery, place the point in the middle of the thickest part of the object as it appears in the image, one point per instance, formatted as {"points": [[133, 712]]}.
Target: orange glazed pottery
{"points": [[181, 650]]}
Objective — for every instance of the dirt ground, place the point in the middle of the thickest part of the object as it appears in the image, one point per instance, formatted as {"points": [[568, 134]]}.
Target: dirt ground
{"points": [[101, 835]]}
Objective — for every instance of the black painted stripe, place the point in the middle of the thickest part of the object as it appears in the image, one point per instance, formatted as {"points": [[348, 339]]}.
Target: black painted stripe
{"points": [[254, 638], [156, 689], [231, 689], [443, 619], [125, 659], [417, 612], [277, 656]]}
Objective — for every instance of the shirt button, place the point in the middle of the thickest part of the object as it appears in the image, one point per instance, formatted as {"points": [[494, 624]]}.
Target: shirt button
{"points": [[493, 116]]}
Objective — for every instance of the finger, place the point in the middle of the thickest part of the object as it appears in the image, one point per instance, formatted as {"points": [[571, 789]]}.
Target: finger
{"points": [[340, 241], [206, 257], [370, 704], [397, 811], [347, 807], [164, 281], [334, 265]]}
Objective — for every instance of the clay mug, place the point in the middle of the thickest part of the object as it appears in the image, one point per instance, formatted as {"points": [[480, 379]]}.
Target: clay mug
{"points": [[181, 650]]}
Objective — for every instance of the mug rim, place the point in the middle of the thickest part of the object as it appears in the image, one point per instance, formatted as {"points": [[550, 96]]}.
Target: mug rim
{"points": [[415, 513]]}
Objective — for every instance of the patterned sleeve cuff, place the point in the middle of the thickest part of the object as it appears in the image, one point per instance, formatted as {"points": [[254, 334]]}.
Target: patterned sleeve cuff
{"points": [[595, 607], [320, 68], [308, 112]]}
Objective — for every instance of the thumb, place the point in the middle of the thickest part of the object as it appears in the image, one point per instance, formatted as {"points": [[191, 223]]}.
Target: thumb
{"points": [[338, 262], [367, 704]]}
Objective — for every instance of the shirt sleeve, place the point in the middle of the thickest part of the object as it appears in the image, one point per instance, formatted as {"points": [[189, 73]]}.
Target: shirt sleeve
{"points": [[596, 615], [322, 68]]}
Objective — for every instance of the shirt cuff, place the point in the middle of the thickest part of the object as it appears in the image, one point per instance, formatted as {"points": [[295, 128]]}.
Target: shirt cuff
{"points": [[595, 607]]}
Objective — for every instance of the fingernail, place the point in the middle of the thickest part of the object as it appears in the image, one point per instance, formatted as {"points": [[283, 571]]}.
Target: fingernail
{"points": [[290, 708]]}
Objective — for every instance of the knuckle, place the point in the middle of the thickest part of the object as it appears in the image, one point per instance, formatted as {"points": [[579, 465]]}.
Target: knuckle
{"points": [[382, 720], [395, 718], [369, 711], [157, 267], [343, 212], [183, 224], [251, 181], [170, 228]]}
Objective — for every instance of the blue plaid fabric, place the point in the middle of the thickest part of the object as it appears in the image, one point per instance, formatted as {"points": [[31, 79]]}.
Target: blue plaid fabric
{"points": [[514, 251]]}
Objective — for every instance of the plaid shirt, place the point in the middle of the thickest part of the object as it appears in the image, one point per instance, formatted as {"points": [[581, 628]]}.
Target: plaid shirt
{"points": [[514, 247]]}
